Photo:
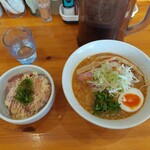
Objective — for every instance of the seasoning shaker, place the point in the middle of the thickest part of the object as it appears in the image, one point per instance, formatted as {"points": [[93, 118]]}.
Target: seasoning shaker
{"points": [[68, 7], [44, 9]]}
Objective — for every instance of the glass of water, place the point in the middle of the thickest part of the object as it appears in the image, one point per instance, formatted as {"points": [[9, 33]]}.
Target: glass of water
{"points": [[21, 45]]}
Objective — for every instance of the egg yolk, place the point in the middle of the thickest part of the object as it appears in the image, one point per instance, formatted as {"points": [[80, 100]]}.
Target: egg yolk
{"points": [[132, 100]]}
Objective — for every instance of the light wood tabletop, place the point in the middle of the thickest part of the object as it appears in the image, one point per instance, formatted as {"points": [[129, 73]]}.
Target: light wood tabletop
{"points": [[62, 127]]}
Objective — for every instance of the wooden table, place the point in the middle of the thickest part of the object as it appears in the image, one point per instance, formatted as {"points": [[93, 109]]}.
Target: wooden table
{"points": [[62, 127]]}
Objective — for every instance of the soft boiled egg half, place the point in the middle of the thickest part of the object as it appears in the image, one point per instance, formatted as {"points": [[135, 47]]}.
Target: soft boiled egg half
{"points": [[131, 100]]}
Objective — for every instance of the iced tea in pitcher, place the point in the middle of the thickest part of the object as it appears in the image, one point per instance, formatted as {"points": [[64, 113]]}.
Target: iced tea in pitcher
{"points": [[103, 19]]}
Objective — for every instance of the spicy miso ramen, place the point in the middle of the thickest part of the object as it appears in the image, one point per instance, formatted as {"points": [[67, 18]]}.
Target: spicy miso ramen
{"points": [[109, 86]]}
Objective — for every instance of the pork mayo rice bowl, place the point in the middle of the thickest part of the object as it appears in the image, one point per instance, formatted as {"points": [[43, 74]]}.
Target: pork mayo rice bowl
{"points": [[27, 94], [107, 82]]}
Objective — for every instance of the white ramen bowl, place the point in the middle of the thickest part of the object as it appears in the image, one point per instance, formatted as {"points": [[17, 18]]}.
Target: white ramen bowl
{"points": [[3, 82], [107, 46]]}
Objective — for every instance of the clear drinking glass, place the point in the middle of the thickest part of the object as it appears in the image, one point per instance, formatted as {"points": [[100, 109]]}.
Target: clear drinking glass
{"points": [[20, 44]]}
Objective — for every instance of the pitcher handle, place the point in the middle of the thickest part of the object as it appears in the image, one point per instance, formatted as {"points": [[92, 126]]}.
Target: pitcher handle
{"points": [[140, 26]]}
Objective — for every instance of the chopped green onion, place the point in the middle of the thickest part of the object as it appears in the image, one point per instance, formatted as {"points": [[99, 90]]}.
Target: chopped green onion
{"points": [[24, 91], [113, 77], [104, 102]]}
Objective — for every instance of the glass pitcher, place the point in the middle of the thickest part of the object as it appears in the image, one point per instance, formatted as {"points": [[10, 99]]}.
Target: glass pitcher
{"points": [[107, 19]]}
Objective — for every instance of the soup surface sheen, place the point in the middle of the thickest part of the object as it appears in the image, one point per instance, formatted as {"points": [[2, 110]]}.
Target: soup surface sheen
{"points": [[84, 89]]}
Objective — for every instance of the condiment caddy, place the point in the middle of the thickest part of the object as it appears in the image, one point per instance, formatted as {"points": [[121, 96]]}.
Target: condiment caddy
{"points": [[69, 10]]}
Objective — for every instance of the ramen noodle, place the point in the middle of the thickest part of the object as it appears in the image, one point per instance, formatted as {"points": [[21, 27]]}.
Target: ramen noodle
{"points": [[109, 86]]}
